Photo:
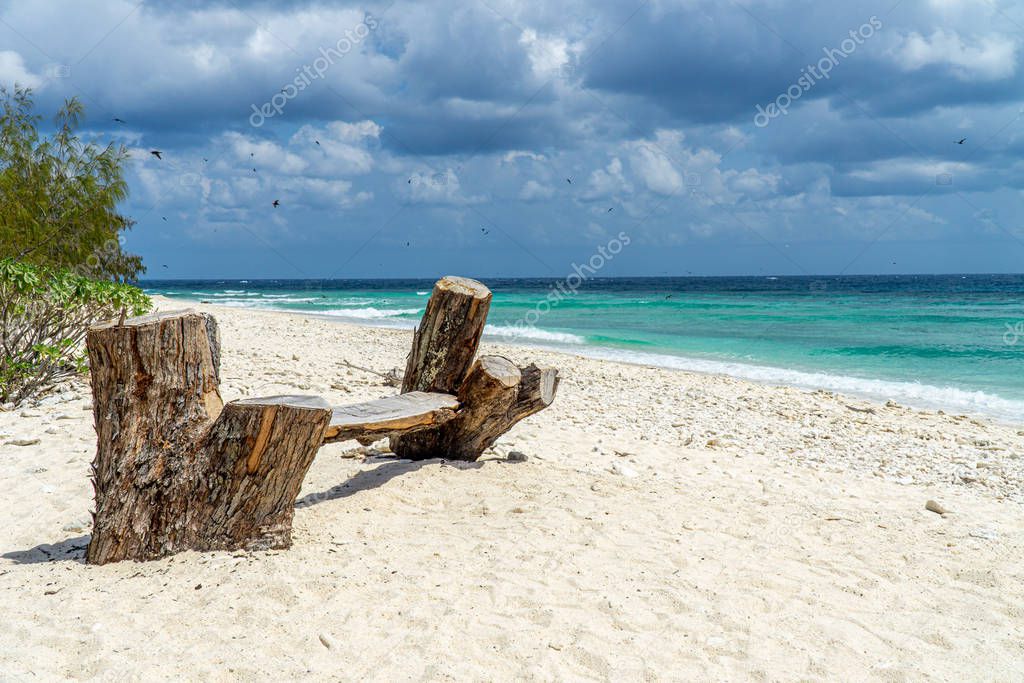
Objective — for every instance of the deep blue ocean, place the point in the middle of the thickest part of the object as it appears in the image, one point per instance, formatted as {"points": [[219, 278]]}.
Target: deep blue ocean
{"points": [[940, 341]]}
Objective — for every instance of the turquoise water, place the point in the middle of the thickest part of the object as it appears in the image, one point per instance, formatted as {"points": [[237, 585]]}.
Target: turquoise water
{"points": [[952, 342]]}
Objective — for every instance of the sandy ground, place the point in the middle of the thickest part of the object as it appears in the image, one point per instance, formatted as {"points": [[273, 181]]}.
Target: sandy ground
{"points": [[666, 526]]}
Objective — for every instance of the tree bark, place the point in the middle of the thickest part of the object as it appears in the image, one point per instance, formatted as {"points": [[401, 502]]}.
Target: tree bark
{"points": [[537, 390], [443, 347], [494, 397], [447, 338], [175, 468]]}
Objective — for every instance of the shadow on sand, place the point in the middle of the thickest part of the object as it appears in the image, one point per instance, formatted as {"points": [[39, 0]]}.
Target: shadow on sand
{"points": [[378, 476], [73, 549], [68, 550]]}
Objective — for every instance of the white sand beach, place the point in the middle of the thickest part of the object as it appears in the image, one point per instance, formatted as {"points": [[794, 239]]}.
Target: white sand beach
{"points": [[665, 526]]}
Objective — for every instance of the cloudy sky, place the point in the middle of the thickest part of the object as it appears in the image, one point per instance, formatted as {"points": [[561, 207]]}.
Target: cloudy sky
{"points": [[411, 139]]}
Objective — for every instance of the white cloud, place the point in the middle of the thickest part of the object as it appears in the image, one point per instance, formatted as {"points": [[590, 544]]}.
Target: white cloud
{"points": [[910, 169], [655, 169], [752, 183], [13, 71], [547, 54], [344, 149], [263, 153], [435, 187], [521, 154], [607, 182], [990, 58], [533, 191]]}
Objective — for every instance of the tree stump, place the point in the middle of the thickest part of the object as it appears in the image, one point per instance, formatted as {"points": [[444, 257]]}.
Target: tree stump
{"points": [[493, 393], [175, 468], [447, 337]]}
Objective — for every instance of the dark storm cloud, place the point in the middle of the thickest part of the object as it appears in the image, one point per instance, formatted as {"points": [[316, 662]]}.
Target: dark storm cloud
{"points": [[651, 106]]}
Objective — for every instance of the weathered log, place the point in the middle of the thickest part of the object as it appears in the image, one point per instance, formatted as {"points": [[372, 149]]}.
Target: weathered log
{"points": [[494, 394], [443, 346], [175, 468], [447, 338], [537, 391], [494, 397], [390, 416]]}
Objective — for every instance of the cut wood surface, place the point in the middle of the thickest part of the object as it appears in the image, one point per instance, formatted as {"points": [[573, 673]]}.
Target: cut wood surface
{"points": [[389, 416], [175, 468]]}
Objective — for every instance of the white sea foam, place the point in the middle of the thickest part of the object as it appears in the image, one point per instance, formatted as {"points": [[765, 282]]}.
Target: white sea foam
{"points": [[950, 399], [532, 333], [286, 299], [238, 302], [370, 313]]}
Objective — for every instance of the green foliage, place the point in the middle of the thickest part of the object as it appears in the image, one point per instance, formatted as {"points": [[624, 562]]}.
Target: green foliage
{"points": [[44, 315], [59, 195]]}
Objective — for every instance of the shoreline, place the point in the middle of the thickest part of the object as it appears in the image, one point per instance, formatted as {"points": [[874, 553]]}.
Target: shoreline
{"points": [[721, 389], [915, 395]]}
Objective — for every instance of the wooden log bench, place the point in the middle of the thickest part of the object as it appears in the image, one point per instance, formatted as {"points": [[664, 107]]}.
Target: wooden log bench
{"points": [[391, 416], [177, 469]]}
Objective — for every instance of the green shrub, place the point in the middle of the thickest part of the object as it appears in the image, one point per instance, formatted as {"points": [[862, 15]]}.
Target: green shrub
{"points": [[44, 315], [59, 194]]}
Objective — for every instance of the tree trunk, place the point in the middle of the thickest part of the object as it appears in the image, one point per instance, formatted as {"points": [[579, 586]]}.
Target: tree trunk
{"points": [[447, 338], [175, 469], [443, 345], [494, 397]]}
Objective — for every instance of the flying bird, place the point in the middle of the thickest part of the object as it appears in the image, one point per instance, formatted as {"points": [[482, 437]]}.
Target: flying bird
{"points": [[253, 169], [205, 160], [156, 153], [961, 141], [317, 142], [610, 209], [569, 180], [165, 265], [485, 231], [164, 217], [276, 203], [117, 120]]}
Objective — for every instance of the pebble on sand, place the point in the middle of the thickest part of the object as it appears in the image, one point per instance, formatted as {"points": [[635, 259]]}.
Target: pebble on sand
{"points": [[517, 456], [932, 506], [624, 470]]}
